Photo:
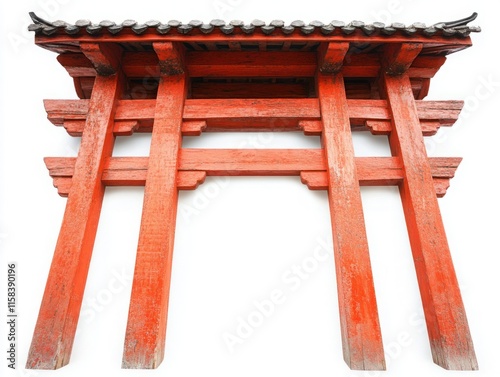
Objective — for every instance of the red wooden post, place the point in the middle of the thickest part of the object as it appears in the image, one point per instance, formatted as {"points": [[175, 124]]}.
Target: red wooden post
{"points": [[60, 308], [361, 337], [445, 316], [407, 57], [147, 320]]}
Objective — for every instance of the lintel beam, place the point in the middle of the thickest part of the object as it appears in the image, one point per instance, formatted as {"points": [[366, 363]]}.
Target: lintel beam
{"points": [[253, 114], [309, 164]]}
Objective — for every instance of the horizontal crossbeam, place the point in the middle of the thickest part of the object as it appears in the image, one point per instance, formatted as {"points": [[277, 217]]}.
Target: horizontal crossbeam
{"points": [[195, 164], [252, 114], [249, 64]]}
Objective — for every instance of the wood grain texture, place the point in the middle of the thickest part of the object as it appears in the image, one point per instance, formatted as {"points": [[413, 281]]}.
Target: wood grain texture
{"points": [[105, 58], [56, 325], [331, 60], [310, 164], [360, 328], [447, 326], [147, 319], [398, 58], [248, 64], [252, 114]]}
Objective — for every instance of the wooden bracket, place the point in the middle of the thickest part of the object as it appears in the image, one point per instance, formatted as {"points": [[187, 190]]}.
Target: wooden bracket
{"points": [[397, 58], [106, 58], [311, 127], [171, 58], [384, 127], [331, 56]]}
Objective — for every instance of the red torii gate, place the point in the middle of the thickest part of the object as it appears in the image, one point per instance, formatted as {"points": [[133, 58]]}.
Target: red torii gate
{"points": [[179, 79]]}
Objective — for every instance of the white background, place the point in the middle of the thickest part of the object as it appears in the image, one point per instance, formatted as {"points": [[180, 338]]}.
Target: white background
{"points": [[237, 237]]}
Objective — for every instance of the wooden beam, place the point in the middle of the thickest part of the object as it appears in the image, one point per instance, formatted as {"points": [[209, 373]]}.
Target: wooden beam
{"points": [[248, 64], [105, 58], [170, 58], [360, 328], [147, 320], [310, 164], [449, 335], [56, 325], [397, 58], [331, 56], [206, 90], [252, 114], [61, 40]]}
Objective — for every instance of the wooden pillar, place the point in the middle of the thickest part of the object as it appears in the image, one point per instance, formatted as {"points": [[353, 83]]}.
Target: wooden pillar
{"points": [[360, 328], [56, 325], [147, 319], [449, 336]]}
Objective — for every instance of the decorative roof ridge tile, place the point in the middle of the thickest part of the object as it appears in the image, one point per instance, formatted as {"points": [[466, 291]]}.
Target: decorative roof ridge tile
{"points": [[458, 28]]}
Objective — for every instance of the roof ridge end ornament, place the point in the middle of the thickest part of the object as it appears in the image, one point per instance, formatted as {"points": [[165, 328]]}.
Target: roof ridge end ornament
{"points": [[453, 24], [39, 20]]}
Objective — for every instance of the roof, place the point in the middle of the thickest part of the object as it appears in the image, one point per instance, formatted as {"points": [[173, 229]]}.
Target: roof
{"points": [[452, 29]]}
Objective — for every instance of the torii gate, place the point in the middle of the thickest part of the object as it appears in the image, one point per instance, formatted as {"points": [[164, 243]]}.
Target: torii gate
{"points": [[179, 79]]}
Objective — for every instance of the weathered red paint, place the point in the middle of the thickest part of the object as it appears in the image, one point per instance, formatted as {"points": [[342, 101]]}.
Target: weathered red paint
{"points": [[60, 308], [359, 324], [379, 90], [449, 335]]}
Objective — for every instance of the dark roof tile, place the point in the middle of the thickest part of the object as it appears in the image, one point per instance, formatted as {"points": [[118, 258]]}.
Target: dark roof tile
{"points": [[237, 23], [338, 24], [129, 23], [195, 23], [206, 28], [277, 23], [368, 29], [298, 23], [217, 23], [327, 29], [72, 29], [308, 29], [184, 29], [106, 23], [174, 23], [94, 29], [388, 30], [258, 23], [227, 29], [316, 23], [459, 28], [83, 23], [267, 29], [357, 24], [152, 23], [49, 30], [248, 29], [348, 29], [139, 28], [115, 29], [163, 28]]}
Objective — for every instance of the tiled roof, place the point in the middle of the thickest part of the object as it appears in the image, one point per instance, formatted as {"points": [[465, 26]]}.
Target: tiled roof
{"points": [[454, 29]]}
